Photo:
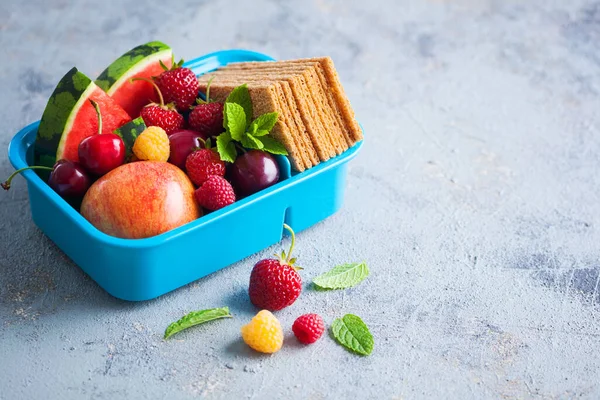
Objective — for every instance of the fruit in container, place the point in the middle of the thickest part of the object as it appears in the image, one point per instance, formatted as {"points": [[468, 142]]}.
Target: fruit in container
{"points": [[162, 115], [178, 85], [253, 171], [202, 164], [152, 145], [207, 116], [215, 193], [101, 153], [182, 143], [140, 200], [140, 62], [129, 132], [67, 178], [69, 118]]}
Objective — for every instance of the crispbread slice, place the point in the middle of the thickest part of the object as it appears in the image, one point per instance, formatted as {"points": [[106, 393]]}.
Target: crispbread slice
{"points": [[303, 137], [333, 81], [312, 122], [264, 100], [328, 110], [331, 127], [302, 131], [290, 123], [334, 110]]}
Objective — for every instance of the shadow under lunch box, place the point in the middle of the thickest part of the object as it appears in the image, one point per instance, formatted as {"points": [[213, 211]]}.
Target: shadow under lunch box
{"points": [[142, 269]]}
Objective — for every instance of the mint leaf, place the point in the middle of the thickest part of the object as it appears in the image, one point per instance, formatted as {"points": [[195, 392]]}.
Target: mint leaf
{"points": [[265, 122], [196, 318], [250, 142], [241, 96], [261, 132], [342, 276], [225, 147], [351, 332], [272, 146], [236, 120]]}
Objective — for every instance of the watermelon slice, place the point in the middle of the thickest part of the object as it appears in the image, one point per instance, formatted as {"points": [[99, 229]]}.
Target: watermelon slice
{"points": [[69, 118], [140, 62], [129, 132]]}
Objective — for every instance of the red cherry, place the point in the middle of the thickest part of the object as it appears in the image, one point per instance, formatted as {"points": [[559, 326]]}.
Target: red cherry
{"points": [[101, 153], [67, 178], [182, 143], [254, 171]]}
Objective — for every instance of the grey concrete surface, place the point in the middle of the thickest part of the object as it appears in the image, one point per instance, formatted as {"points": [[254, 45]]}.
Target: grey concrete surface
{"points": [[474, 201]]}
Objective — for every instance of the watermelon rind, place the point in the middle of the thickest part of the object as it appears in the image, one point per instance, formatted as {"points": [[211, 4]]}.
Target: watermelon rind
{"points": [[59, 114], [126, 66], [129, 132]]}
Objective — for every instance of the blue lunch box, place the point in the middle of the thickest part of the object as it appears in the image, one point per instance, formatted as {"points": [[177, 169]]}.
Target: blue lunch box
{"points": [[142, 269]]}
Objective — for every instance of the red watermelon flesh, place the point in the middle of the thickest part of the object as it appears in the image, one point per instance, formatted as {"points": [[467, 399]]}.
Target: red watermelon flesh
{"points": [[133, 96], [86, 122]]}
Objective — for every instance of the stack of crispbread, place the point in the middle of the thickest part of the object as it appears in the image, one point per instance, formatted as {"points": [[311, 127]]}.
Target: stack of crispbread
{"points": [[316, 121]]}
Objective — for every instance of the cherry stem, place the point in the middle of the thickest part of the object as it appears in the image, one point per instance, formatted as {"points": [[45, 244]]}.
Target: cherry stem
{"points": [[6, 184], [208, 89], [239, 146], [160, 96], [291, 231], [97, 108]]}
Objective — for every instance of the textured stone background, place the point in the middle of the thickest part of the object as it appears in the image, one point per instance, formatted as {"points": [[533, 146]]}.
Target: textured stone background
{"points": [[474, 201]]}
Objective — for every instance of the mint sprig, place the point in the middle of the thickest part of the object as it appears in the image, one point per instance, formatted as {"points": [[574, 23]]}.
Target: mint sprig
{"points": [[342, 276], [240, 129], [241, 96], [351, 332]]}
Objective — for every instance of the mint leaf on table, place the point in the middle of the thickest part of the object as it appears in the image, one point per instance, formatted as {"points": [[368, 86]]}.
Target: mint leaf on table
{"points": [[251, 142], [225, 147], [234, 119], [196, 318], [351, 332], [342, 276], [264, 122], [241, 96], [272, 146]]}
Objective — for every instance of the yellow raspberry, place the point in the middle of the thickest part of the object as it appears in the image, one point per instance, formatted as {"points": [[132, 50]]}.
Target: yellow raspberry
{"points": [[152, 145], [263, 333]]}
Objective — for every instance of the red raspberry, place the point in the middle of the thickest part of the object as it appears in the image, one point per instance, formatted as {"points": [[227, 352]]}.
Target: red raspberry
{"points": [[215, 193], [179, 85], [207, 119], [274, 285], [163, 117], [308, 328], [204, 163]]}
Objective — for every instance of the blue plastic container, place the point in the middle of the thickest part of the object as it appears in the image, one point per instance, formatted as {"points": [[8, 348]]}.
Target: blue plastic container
{"points": [[142, 269]]}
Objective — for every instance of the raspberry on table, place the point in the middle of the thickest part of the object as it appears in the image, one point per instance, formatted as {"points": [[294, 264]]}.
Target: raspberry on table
{"points": [[308, 328], [152, 145], [263, 333]]}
